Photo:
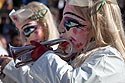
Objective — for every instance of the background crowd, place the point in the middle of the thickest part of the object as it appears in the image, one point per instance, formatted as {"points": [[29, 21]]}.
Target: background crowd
{"points": [[11, 34]]}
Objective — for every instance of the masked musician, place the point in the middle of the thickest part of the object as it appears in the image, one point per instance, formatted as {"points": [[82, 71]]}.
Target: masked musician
{"points": [[35, 23], [95, 29]]}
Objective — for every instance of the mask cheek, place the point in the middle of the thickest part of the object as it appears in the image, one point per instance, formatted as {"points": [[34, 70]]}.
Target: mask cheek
{"points": [[75, 31], [23, 38], [31, 36]]}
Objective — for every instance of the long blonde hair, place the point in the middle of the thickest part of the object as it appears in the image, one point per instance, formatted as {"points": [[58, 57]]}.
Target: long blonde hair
{"points": [[107, 27]]}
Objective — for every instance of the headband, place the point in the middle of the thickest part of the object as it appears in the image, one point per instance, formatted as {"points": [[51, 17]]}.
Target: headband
{"points": [[22, 15]]}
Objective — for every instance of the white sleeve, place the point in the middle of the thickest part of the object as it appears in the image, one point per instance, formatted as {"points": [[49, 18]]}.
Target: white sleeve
{"points": [[50, 68], [19, 75], [47, 69], [7, 79], [3, 51], [102, 67]]}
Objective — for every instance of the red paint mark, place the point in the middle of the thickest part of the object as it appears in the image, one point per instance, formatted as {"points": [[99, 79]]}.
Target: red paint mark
{"points": [[74, 30], [15, 18]]}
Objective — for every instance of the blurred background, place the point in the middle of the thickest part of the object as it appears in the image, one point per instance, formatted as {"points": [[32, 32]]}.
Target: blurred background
{"points": [[8, 31]]}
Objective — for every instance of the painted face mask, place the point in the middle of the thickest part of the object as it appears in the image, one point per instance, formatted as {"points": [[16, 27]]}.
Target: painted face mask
{"points": [[33, 31], [75, 27]]}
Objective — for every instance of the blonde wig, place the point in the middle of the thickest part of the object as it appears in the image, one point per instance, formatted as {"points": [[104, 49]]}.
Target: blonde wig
{"points": [[107, 27]]}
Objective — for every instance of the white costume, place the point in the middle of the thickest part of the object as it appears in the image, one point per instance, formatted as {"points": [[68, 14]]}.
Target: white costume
{"points": [[3, 51], [105, 66], [6, 79]]}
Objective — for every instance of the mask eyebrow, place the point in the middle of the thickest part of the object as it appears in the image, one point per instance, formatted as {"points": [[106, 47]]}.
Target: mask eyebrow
{"points": [[74, 15], [24, 26], [29, 24]]}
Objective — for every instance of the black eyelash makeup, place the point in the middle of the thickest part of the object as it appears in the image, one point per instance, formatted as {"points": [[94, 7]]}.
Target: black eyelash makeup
{"points": [[70, 22], [29, 30]]}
